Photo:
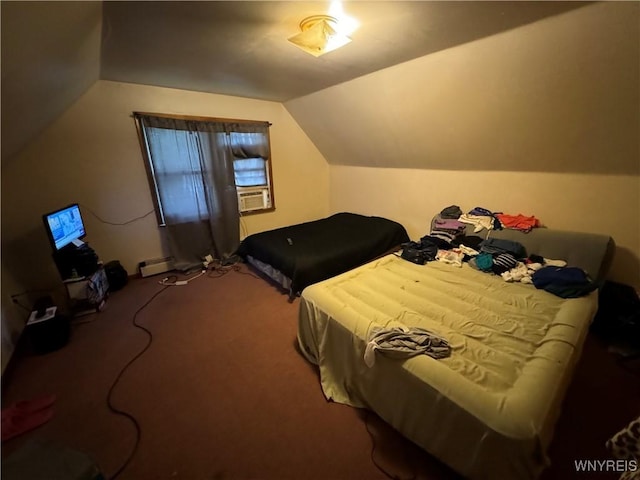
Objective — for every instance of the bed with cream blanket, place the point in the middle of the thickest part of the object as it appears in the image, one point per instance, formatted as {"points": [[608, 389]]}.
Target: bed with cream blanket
{"points": [[489, 409]]}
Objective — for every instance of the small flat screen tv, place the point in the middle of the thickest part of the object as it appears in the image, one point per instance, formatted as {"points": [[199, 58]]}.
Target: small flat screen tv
{"points": [[64, 226]]}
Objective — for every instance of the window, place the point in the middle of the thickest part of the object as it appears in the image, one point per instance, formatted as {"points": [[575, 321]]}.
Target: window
{"points": [[250, 172], [188, 159]]}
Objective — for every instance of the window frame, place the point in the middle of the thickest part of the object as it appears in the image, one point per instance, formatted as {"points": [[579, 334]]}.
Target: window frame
{"points": [[151, 178]]}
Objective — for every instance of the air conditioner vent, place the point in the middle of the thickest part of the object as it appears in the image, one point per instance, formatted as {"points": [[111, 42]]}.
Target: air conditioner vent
{"points": [[253, 200]]}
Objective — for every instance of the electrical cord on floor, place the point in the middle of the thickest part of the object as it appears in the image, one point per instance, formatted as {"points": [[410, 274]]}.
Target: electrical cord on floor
{"points": [[175, 282], [373, 450], [221, 270], [115, 382], [217, 270]]}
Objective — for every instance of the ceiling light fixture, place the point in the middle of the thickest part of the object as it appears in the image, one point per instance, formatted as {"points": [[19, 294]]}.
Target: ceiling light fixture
{"points": [[319, 34]]}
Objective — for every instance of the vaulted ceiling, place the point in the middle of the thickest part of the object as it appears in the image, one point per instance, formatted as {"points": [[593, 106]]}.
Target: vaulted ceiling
{"points": [[54, 51]]}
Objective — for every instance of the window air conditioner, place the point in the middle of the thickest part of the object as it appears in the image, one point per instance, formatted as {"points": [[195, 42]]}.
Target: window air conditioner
{"points": [[253, 200]]}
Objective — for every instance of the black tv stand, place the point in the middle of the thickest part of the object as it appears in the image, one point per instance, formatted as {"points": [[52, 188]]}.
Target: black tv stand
{"points": [[83, 276], [76, 261]]}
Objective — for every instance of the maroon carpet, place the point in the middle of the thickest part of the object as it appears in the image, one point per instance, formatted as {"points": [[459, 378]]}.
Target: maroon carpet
{"points": [[222, 393]]}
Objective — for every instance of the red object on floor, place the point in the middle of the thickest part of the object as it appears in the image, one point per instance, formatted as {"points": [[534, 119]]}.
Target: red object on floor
{"points": [[26, 415], [33, 405]]}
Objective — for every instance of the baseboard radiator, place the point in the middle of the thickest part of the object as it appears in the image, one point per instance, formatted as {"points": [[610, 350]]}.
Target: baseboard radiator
{"points": [[156, 266]]}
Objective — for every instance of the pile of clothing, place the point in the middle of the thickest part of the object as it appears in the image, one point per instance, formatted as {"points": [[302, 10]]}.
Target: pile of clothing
{"points": [[448, 242], [509, 260], [482, 219]]}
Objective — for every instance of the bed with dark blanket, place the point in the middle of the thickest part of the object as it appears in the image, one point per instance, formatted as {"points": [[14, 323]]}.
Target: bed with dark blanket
{"points": [[300, 255]]}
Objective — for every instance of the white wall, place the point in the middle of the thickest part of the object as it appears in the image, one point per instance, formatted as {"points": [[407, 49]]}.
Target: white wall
{"points": [[585, 203], [557, 95], [91, 155], [12, 317]]}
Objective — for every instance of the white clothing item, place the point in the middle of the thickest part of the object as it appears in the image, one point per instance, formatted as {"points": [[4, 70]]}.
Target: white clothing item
{"points": [[479, 221], [549, 262], [521, 273], [453, 257], [468, 251], [516, 273]]}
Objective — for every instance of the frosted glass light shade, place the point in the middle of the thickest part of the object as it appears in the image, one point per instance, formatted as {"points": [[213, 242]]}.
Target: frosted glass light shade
{"points": [[319, 35]]}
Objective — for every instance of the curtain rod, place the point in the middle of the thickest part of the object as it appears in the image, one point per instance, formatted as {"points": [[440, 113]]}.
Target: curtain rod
{"points": [[198, 118]]}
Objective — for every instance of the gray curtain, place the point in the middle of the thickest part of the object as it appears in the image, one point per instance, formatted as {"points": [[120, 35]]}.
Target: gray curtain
{"points": [[193, 169]]}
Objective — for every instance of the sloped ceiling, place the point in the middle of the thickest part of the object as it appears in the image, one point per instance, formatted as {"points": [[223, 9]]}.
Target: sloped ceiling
{"points": [[53, 51], [560, 95], [240, 48], [50, 56]]}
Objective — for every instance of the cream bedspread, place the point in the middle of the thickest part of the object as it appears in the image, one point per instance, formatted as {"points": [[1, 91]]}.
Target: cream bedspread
{"points": [[489, 409]]}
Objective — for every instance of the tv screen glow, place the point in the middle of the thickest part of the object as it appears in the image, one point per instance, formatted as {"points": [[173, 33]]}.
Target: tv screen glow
{"points": [[64, 226]]}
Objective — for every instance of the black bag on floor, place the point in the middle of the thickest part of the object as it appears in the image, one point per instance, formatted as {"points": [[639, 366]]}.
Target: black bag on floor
{"points": [[116, 275], [618, 316]]}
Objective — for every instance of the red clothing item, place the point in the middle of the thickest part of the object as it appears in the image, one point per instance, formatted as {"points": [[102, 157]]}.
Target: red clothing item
{"points": [[518, 222]]}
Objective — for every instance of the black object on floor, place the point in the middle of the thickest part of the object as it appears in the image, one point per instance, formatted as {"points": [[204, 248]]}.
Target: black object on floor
{"points": [[49, 335], [116, 275], [43, 460], [617, 321]]}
